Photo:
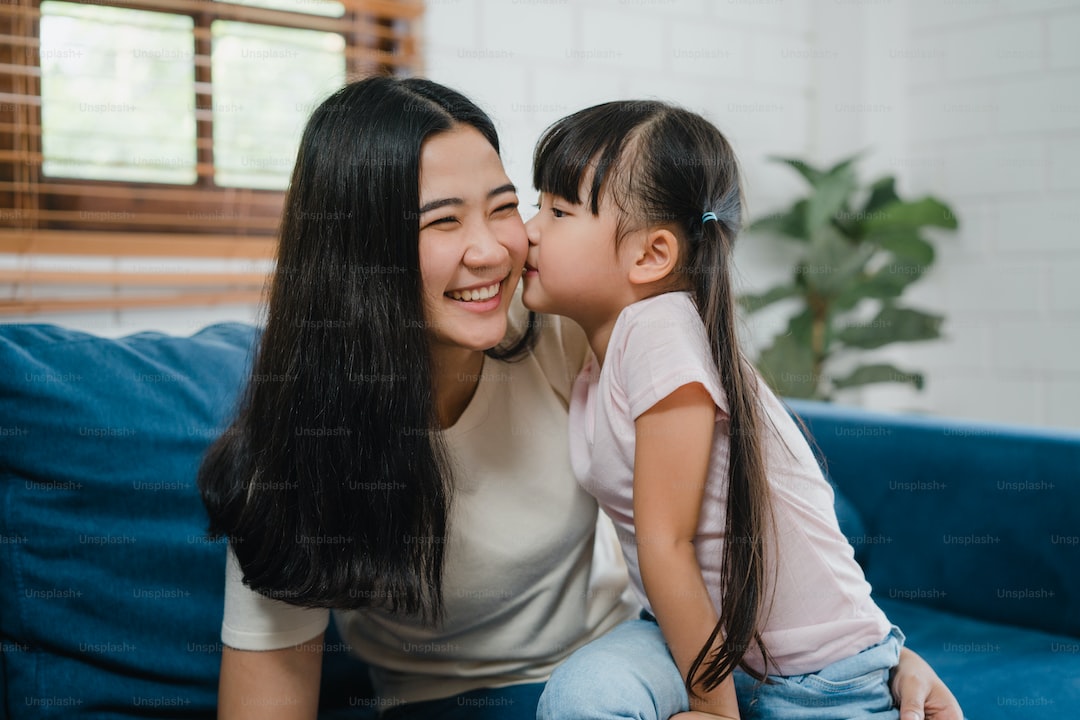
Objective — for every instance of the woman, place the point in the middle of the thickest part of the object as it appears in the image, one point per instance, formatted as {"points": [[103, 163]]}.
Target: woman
{"points": [[386, 461]]}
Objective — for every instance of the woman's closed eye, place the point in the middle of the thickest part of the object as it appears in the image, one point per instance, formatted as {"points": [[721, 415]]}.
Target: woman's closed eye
{"points": [[443, 221], [506, 208]]}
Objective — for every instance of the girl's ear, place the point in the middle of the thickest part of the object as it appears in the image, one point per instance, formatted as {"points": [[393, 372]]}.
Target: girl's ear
{"points": [[655, 258]]}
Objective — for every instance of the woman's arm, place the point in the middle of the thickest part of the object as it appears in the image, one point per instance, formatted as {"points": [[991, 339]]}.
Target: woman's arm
{"points": [[671, 464], [920, 693], [271, 684]]}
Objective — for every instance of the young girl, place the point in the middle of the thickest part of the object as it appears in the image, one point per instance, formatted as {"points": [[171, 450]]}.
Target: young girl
{"points": [[725, 519]]}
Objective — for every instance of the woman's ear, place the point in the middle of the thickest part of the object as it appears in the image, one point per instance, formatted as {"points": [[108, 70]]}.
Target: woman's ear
{"points": [[656, 258]]}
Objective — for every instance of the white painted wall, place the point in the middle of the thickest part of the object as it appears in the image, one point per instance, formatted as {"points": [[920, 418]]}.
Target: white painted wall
{"points": [[988, 105], [747, 66], [976, 101]]}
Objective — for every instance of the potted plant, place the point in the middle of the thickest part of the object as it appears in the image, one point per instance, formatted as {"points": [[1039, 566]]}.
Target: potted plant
{"points": [[860, 250]]}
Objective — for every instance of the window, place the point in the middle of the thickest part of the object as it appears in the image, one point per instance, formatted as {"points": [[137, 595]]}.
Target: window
{"points": [[149, 128], [177, 117]]}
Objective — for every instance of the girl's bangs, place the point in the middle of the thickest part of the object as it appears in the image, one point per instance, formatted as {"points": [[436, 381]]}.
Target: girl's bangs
{"points": [[589, 140]]}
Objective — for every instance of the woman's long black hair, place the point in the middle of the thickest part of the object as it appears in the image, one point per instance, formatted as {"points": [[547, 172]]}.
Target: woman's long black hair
{"points": [[666, 167], [332, 484]]}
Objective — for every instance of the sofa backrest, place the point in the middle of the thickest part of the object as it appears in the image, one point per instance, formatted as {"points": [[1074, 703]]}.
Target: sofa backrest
{"points": [[977, 518], [111, 594]]}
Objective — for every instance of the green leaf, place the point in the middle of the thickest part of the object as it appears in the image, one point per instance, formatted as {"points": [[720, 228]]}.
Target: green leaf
{"points": [[906, 245], [844, 164], [830, 195], [882, 192], [788, 363], [812, 174], [791, 223], [879, 373], [846, 226], [752, 303], [788, 366], [910, 215], [833, 262], [801, 326], [886, 284], [892, 324]]}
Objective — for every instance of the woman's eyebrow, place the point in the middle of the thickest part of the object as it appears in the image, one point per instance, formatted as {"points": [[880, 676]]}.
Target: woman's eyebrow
{"points": [[508, 187], [443, 202], [436, 204]]}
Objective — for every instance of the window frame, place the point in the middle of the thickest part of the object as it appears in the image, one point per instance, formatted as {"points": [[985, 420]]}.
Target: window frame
{"points": [[74, 204]]}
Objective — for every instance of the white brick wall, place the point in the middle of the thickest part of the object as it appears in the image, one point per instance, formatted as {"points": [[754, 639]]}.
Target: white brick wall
{"points": [[747, 65], [531, 61], [998, 104], [976, 101]]}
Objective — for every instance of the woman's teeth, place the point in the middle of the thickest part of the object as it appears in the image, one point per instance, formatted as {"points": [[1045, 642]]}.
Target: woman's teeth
{"points": [[485, 293]]}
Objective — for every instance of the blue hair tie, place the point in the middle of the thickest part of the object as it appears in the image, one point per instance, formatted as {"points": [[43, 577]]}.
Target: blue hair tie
{"points": [[707, 217]]}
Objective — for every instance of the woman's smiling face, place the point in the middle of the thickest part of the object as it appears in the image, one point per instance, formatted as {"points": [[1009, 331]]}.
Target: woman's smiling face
{"points": [[472, 239]]}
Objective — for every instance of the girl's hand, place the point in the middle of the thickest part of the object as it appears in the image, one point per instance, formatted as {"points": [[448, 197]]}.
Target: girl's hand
{"points": [[920, 693]]}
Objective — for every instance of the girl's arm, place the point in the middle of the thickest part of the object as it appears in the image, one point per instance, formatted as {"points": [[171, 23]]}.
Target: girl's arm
{"points": [[271, 684], [671, 462]]}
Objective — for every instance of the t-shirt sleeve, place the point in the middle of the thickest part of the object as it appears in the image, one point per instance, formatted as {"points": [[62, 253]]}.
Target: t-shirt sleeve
{"points": [[256, 622], [664, 347]]}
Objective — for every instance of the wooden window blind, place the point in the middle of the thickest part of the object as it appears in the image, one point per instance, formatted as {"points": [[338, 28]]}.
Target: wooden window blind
{"points": [[166, 128]]}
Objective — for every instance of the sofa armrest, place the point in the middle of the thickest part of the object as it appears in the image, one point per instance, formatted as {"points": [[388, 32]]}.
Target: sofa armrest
{"points": [[976, 518]]}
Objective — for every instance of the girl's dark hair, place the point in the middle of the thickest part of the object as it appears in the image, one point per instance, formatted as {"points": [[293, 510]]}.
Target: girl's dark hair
{"points": [[332, 484], [665, 166]]}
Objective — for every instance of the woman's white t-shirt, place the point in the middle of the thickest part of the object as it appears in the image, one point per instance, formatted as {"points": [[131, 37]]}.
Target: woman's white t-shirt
{"points": [[527, 578]]}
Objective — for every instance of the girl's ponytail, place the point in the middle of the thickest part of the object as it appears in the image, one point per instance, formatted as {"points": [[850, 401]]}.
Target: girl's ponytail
{"points": [[748, 513]]}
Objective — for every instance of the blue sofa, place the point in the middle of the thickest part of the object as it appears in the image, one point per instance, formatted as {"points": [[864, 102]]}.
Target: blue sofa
{"points": [[111, 594], [969, 534]]}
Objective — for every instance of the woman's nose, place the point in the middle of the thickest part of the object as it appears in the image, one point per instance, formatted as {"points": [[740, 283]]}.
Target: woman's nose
{"points": [[484, 248]]}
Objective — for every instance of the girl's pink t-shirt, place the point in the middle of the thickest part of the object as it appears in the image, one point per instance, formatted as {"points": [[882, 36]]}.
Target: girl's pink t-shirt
{"points": [[821, 609]]}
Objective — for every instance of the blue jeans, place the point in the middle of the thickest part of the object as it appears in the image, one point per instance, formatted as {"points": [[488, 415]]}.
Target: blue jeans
{"points": [[855, 687], [513, 702], [629, 673]]}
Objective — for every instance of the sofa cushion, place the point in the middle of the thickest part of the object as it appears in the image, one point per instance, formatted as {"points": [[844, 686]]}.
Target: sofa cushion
{"points": [[110, 591], [973, 518], [997, 672]]}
